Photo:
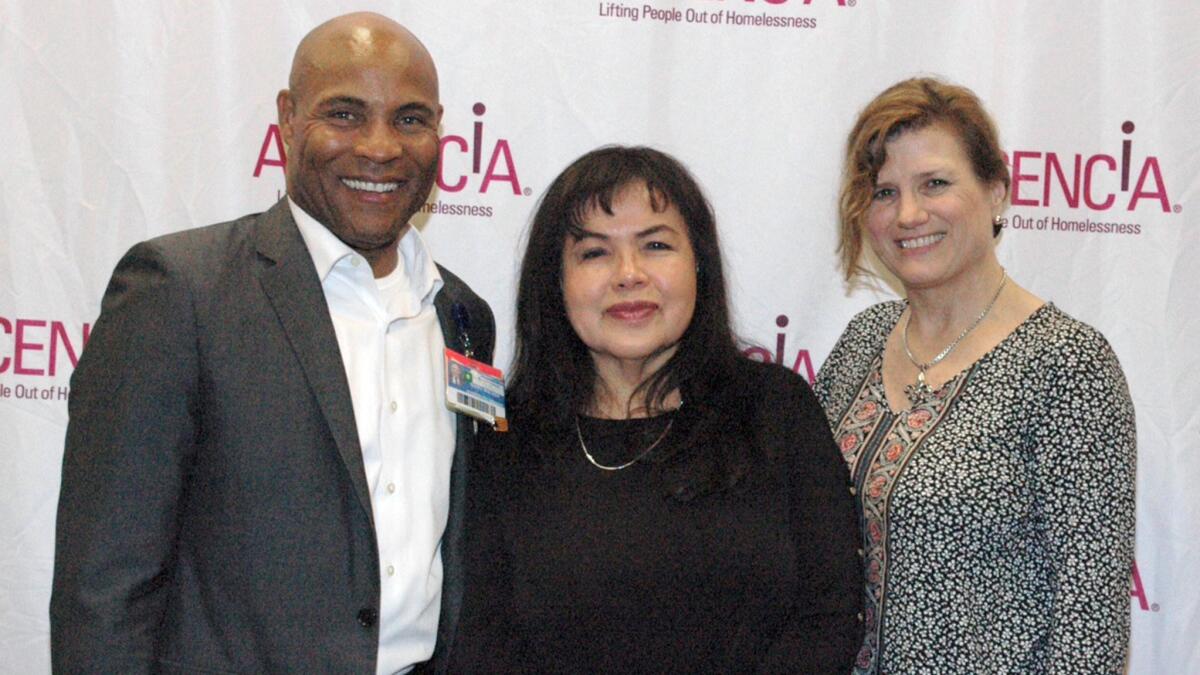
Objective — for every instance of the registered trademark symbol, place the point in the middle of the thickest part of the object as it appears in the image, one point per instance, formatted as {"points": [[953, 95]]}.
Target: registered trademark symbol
{"points": [[1177, 208], [1154, 607], [851, 3], [529, 191]]}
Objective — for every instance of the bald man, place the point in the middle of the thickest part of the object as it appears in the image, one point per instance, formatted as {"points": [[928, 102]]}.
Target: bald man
{"points": [[261, 474]]}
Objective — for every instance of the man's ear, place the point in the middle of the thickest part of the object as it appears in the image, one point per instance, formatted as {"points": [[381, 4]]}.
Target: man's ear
{"points": [[286, 108]]}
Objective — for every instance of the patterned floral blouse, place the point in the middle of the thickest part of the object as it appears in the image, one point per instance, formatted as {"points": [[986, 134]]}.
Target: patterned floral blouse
{"points": [[998, 514]]}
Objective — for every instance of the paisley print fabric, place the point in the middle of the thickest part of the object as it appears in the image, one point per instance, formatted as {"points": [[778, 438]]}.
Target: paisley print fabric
{"points": [[997, 515]]}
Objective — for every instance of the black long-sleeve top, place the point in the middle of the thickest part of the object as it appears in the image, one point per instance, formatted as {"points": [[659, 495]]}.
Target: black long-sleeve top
{"points": [[573, 569]]}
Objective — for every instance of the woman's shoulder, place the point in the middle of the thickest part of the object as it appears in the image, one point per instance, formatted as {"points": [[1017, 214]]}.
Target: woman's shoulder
{"points": [[858, 345], [772, 393], [867, 333], [765, 378], [876, 320], [1050, 322], [868, 330], [1062, 357], [1051, 335]]}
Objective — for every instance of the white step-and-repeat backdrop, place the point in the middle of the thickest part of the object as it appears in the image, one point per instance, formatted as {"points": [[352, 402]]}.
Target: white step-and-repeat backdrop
{"points": [[124, 120]]}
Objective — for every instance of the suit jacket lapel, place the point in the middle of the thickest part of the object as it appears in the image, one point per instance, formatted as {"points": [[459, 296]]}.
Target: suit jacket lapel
{"points": [[290, 282], [444, 303], [452, 579]]}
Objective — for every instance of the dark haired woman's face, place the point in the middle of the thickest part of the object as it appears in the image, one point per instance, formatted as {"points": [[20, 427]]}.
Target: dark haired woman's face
{"points": [[629, 284]]}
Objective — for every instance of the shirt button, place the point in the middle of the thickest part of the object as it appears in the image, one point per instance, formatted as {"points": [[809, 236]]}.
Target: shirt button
{"points": [[860, 616], [391, 487], [367, 616], [394, 406], [391, 570], [853, 491], [861, 553], [354, 260]]}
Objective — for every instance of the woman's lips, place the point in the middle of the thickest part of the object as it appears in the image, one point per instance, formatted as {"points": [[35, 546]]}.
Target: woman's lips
{"points": [[631, 311]]}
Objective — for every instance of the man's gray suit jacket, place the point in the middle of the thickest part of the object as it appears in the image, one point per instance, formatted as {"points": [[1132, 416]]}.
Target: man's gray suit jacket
{"points": [[214, 513]]}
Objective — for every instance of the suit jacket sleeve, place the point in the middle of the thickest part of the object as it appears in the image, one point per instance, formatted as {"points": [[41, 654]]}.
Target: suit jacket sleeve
{"points": [[129, 439]]}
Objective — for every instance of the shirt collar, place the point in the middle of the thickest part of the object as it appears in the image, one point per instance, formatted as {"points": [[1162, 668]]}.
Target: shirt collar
{"points": [[327, 251]]}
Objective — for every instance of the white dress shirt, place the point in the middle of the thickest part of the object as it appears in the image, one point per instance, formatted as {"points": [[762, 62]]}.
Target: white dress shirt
{"points": [[391, 346]]}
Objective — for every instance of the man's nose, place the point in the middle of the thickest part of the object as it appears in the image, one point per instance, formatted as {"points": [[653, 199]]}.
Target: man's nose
{"points": [[379, 142]]}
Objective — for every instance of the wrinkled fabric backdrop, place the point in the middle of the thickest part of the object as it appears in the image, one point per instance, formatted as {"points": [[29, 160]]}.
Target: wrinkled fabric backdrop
{"points": [[126, 120]]}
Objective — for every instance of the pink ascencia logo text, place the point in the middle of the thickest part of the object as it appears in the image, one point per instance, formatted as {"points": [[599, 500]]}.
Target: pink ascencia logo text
{"points": [[455, 176], [39, 348], [1138, 592], [801, 365], [461, 166], [1098, 182]]}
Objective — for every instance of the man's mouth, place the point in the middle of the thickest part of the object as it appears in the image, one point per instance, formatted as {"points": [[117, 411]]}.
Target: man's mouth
{"points": [[369, 186], [918, 242]]}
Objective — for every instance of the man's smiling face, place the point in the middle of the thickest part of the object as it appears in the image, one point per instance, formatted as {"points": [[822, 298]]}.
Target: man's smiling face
{"points": [[361, 128]]}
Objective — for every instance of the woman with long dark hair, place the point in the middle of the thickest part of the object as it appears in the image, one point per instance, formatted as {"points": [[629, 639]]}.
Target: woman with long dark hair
{"points": [[662, 503]]}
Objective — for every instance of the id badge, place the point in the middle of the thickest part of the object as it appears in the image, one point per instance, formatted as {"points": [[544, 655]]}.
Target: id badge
{"points": [[474, 388]]}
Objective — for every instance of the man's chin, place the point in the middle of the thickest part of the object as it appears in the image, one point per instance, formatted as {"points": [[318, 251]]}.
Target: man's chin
{"points": [[372, 237], [399, 207]]}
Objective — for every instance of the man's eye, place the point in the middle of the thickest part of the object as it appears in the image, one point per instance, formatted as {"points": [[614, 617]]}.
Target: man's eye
{"points": [[342, 115]]}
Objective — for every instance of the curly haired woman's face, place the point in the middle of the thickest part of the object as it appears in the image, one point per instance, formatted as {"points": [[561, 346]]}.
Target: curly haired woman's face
{"points": [[930, 219]]}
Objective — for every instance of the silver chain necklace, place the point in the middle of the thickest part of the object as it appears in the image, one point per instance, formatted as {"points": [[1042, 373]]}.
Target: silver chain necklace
{"points": [[635, 460], [921, 389]]}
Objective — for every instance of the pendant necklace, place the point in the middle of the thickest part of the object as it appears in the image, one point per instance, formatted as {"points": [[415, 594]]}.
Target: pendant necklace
{"points": [[920, 390], [635, 460]]}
